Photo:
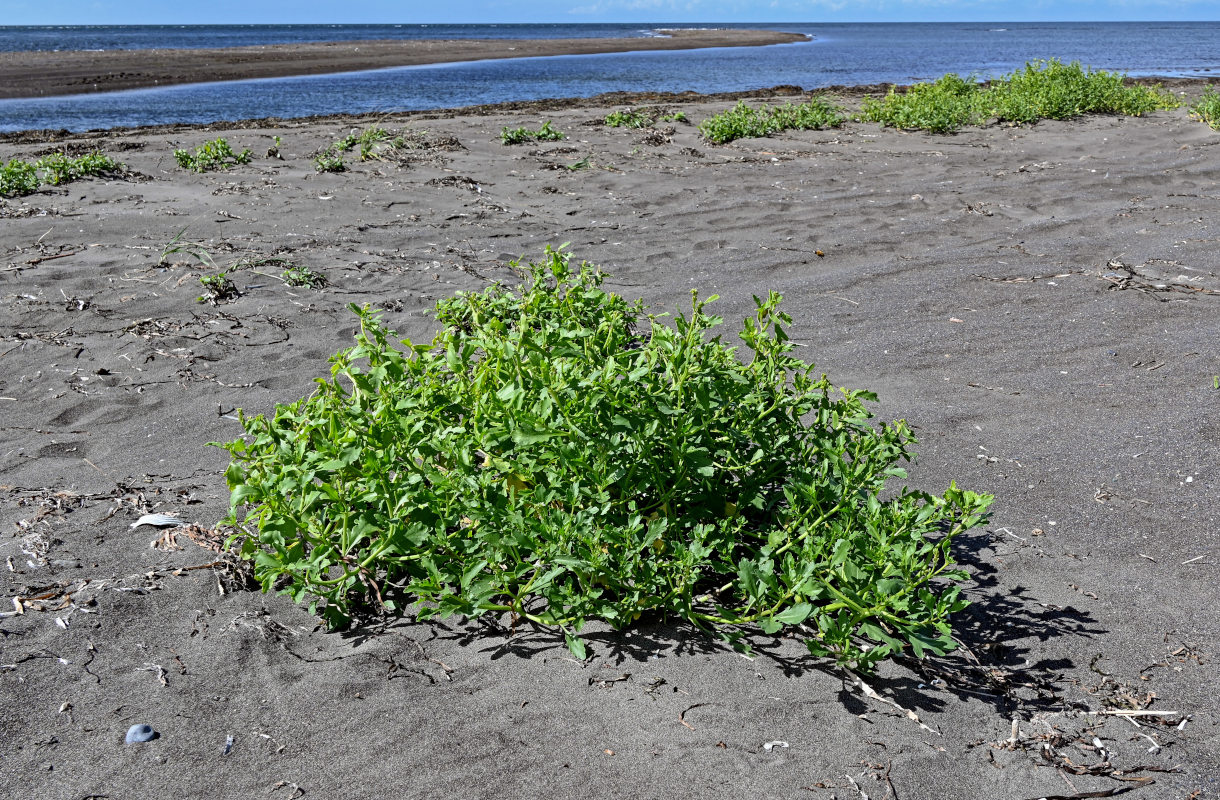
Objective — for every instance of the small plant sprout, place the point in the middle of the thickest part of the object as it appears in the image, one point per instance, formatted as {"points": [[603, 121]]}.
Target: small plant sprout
{"points": [[209, 156], [303, 276], [196, 250], [556, 455], [217, 288], [329, 161], [274, 150]]}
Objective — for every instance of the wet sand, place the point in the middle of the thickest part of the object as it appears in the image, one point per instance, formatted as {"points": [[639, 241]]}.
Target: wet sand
{"points": [[1041, 303], [43, 74]]}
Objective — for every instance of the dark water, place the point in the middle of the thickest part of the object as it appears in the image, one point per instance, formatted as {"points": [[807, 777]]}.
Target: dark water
{"points": [[849, 54]]}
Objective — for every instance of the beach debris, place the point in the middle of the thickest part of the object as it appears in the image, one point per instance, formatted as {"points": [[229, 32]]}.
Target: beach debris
{"points": [[682, 716], [158, 521], [228, 745], [141, 733], [869, 692], [769, 746]]}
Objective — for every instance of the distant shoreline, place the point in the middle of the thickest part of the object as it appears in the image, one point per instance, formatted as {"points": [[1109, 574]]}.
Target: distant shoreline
{"points": [[49, 74]]}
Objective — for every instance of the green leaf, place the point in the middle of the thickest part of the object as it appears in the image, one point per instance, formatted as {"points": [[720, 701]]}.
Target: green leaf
{"points": [[795, 614], [576, 645]]}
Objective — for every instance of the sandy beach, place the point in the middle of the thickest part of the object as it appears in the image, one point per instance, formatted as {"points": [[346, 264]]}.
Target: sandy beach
{"points": [[48, 73], [1040, 303]]}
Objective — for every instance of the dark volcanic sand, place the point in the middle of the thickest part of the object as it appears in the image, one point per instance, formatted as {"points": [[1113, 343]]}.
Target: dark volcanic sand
{"points": [[40, 74], [1041, 303]]}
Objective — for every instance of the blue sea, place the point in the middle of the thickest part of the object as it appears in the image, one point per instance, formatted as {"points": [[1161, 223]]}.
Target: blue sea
{"points": [[836, 54]]}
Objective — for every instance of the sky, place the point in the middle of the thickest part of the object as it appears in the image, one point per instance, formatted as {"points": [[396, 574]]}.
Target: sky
{"points": [[133, 12]]}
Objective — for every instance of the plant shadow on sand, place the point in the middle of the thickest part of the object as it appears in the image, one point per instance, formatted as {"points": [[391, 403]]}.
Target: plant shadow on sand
{"points": [[996, 662]]}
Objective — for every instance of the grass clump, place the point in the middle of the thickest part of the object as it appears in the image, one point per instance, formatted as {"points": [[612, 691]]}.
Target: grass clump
{"points": [[1042, 90], [743, 121], [547, 133], [1207, 109], [21, 177], [556, 456], [210, 156]]}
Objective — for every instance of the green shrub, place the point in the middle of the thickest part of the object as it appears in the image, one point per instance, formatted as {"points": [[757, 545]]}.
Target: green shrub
{"points": [[1207, 110], [520, 135], [209, 156], [1042, 90], [743, 121], [940, 107], [1054, 90], [17, 178], [556, 456]]}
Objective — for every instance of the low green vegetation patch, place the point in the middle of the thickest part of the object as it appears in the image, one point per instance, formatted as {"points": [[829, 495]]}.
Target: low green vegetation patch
{"points": [[19, 177], [1207, 109], [210, 156], [640, 118], [743, 121], [630, 118], [555, 455], [1042, 90], [947, 104], [547, 133]]}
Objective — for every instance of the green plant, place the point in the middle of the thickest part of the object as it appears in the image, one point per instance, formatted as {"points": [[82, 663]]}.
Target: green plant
{"points": [[196, 250], [60, 168], [21, 177], [677, 116], [217, 288], [583, 163], [630, 118], [743, 121], [942, 106], [1041, 90], [18, 177], [1054, 90], [546, 133], [373, 142], [1207, 109], [274, 150], [328, 161], [555, 456], [303, 276], [213, 155]]}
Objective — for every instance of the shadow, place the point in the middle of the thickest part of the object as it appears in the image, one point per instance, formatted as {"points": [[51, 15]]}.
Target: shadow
{"points": [[996, 661]]}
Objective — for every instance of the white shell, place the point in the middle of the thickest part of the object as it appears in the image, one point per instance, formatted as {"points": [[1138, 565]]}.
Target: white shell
{"points": [[158, 521]]}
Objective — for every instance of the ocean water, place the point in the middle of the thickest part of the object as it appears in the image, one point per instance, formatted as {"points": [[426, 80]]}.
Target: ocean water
{"points": [[837, 54]]}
